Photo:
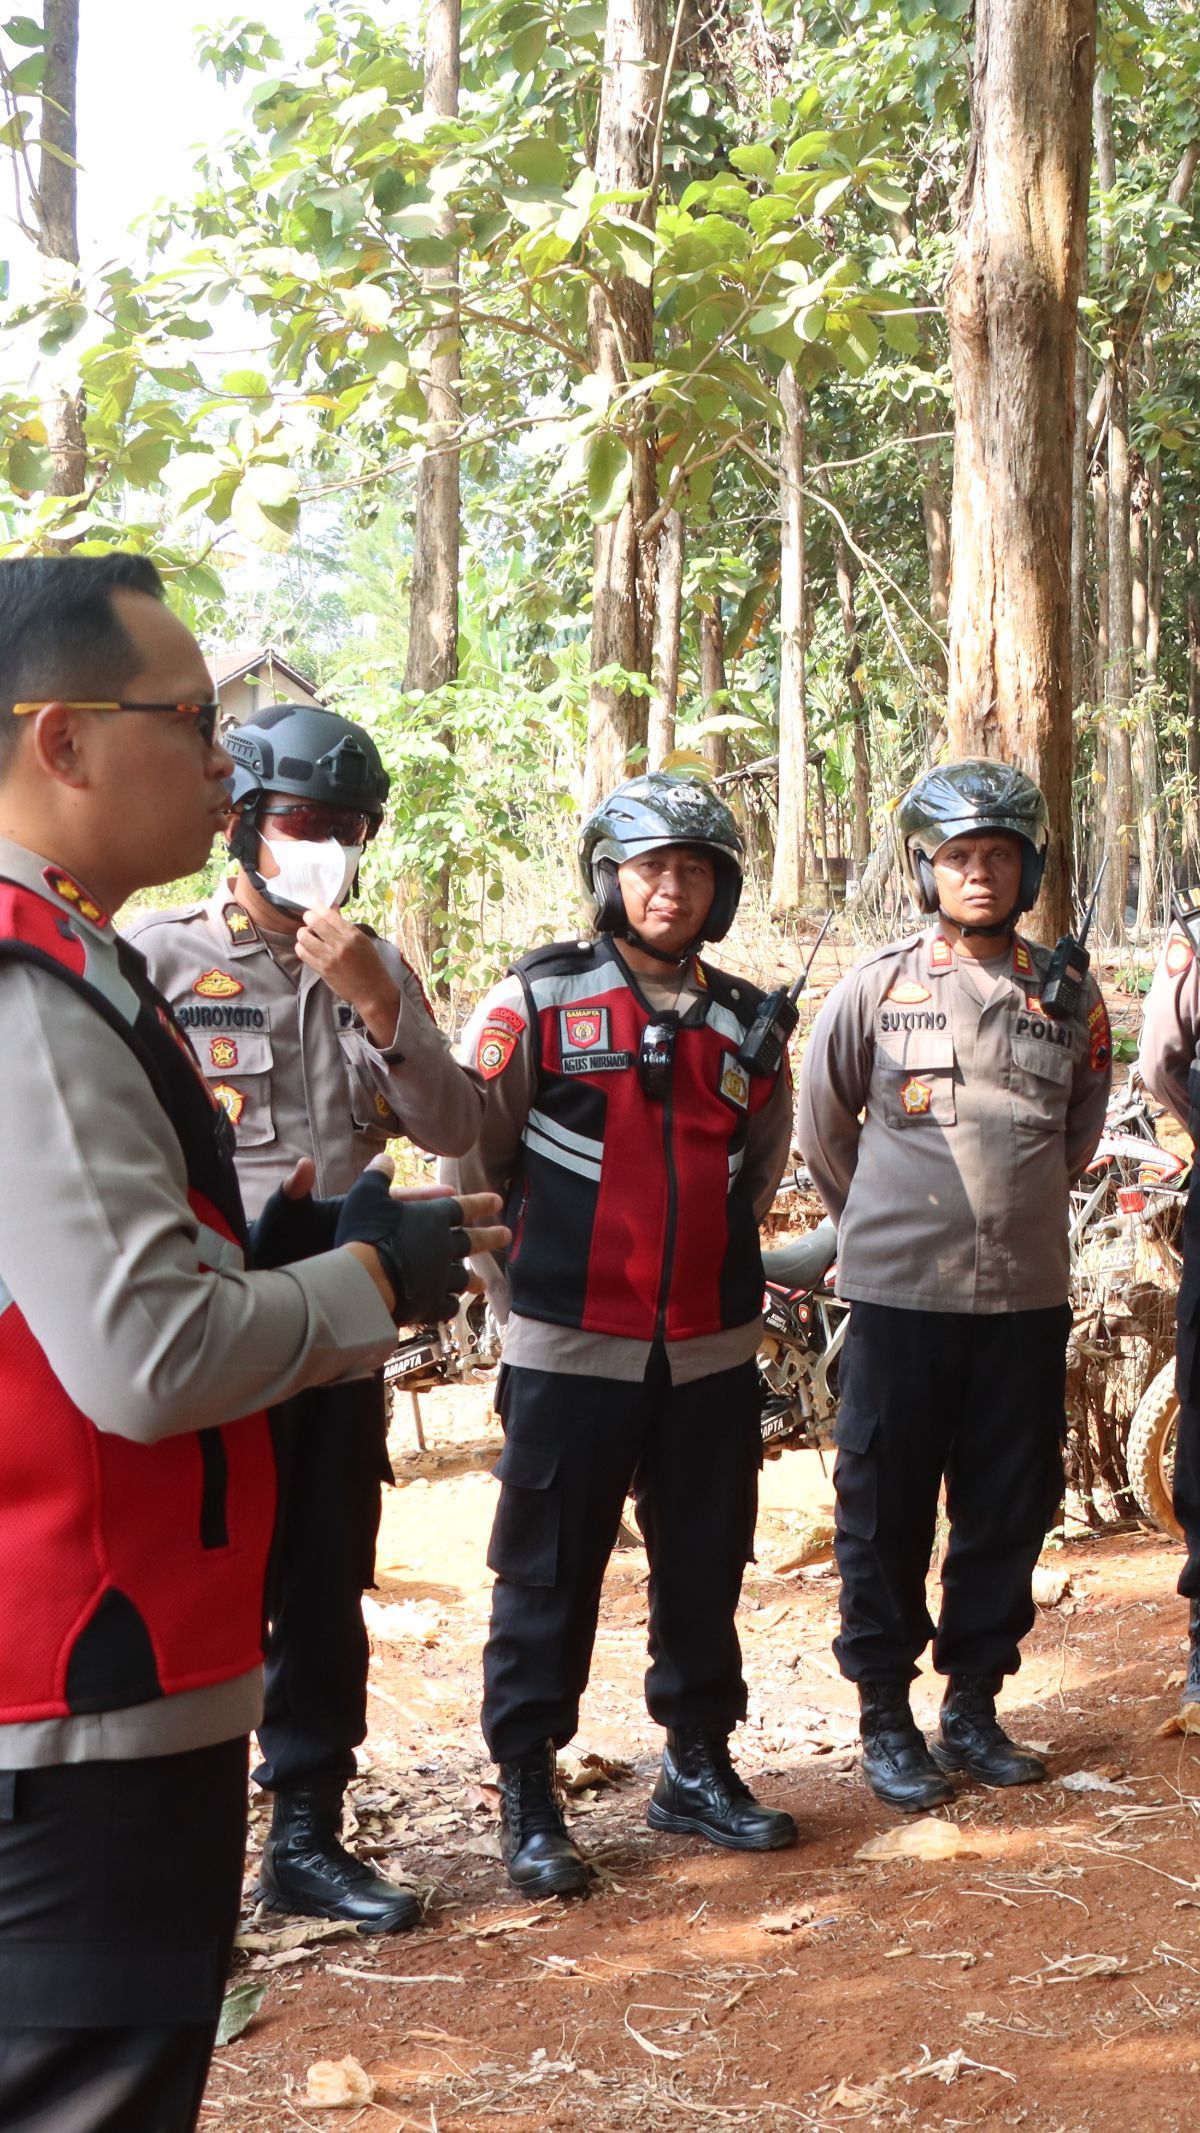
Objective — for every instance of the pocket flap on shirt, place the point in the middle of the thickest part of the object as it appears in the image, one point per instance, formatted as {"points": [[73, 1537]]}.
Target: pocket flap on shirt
{"points": [[1041, 1055], [238, 1052], [524, 1465]]}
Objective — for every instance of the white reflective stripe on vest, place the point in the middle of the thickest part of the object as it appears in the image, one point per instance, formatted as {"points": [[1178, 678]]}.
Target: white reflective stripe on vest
{"points": [[725, 1022], [574, 1151], [579, 985], [219, 1254]]}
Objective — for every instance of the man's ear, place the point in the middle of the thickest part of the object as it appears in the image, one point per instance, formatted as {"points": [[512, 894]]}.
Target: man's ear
{"points": [[57, 743]]}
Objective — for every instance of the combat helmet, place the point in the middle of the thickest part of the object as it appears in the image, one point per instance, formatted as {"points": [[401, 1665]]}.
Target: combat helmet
{"points": [[961, 800], [643, 815]]}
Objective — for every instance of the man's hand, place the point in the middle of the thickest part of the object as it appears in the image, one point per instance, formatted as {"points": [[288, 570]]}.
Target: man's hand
{"points": [[292, 1225], [349, 962], [414, 1253]]}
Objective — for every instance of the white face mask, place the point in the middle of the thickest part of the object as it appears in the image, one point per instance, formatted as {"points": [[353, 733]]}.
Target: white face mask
{"points": [[311, 874]]}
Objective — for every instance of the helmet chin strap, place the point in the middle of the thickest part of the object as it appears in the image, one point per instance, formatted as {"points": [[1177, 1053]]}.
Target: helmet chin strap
{"points": [[992, 932], [662, 955]]}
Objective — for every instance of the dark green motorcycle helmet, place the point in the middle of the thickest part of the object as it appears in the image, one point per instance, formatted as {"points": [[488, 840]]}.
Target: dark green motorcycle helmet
{"points": [[961, 800], [643, 815], [306, 753]]}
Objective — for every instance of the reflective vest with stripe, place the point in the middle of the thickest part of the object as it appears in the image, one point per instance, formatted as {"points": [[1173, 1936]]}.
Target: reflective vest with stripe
{"points": [[629, 1214], [128, 1571]]}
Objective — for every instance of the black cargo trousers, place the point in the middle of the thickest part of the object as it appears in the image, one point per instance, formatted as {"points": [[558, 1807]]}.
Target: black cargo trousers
{"points": [[573, 1448], [978, 1401]]}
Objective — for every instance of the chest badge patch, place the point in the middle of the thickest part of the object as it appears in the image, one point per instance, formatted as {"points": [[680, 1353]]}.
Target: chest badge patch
{"points": [[223, 1052], [909, 993], [735, 1082], [231, 1100], [217, 985], [584, 1029], [1179, 955], [67, 889], [497, 1043], [916, 1096]]}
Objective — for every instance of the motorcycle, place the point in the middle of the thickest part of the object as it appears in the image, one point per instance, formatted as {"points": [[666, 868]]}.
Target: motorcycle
{"points": [[456, 1351], [804, 1327]]}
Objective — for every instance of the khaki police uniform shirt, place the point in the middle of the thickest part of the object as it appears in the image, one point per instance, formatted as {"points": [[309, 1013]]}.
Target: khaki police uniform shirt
{"points": [[294, 1065], [530, 1343], [1171, 1026], [944, 1118], [99, 1251]]}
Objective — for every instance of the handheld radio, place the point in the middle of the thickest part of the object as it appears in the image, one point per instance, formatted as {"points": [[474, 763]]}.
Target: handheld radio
{"points": [[1062, 986], [767, 1037]]}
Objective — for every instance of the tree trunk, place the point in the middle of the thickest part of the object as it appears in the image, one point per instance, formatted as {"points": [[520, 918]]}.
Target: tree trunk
{"points": [[1100, 809], [713, 684], [432, 658], [55, 206], [1011, 309], [1143, 741], [620, 337], [787, 878], [936, 520], [1079, 501], [847, 568], [668, 614], [1119, 673]]}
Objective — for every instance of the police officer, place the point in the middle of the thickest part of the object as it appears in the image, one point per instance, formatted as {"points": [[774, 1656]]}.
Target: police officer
{"points": [[319, 1042], [1169, 1063], [638, 1153], [944, 1113], [135, 1512]]}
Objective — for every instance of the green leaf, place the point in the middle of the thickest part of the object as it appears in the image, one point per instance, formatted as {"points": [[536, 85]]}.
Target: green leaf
{"points": [[828, 195], [367, 306], [22, 29], [264, 525], [540, 163], [239, 2007], [271, 484], [29, 465], [888, 195], [246, 385], [756, 159], [609, 474]]}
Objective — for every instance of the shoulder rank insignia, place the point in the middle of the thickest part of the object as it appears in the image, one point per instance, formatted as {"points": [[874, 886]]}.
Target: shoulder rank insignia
{"points": [[1179, 955], [909, 994], [238, 923], [69, 892], [217, 985], [941, 954], [916, 1096], [1022, 960], [223, 1053], [231, 1100]]}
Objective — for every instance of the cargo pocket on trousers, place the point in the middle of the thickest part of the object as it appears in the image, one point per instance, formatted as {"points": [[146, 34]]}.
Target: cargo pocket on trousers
{"points": [[524, 1543], [855, 1477]]}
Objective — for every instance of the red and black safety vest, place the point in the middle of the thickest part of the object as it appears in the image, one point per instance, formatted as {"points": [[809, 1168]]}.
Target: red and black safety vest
{"points": [[128, 1571], [629, 1214]]}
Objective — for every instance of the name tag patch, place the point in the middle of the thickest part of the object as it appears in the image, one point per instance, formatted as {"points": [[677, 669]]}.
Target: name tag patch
{"points": [[193, 1016], [595, 1062], [583, 1029], [735, 1082], [1039, 1025]]}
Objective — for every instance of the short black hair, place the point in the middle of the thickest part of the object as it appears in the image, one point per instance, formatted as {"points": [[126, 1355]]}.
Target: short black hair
{"points": [[59, 632]]}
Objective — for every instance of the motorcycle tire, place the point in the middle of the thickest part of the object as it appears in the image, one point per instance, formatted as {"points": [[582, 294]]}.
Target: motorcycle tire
{"points": [[1150, 1451]]}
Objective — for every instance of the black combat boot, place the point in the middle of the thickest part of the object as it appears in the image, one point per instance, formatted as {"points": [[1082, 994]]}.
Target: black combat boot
{"points": [[971, 1738], [896, 1763], [1191, 1688], [307, 1869], [534, 1844], [699, 1794]]}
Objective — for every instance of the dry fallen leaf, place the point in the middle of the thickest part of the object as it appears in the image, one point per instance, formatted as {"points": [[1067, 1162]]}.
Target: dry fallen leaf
{"points": [[587, 1773], [338, 2085], [925, 1839], [847, 2096], [484, 1847], [401, 1622], [1050, 1586], [300, 1935], [1185, 1720], [784, 1921], [1090, 1781], [520, 1924]]}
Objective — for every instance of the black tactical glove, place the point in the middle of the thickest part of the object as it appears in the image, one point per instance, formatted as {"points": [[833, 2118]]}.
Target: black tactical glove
{"points": [[288, 1230], [421, 1245]]}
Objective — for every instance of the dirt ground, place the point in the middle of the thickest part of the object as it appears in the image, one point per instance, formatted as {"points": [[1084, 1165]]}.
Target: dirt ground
{"points": [[1047, 1976]]}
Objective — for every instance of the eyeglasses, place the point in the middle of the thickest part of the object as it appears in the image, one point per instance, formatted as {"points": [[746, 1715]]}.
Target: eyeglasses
{"points": [[313, 823], [205, 715], [656, 1056]]}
